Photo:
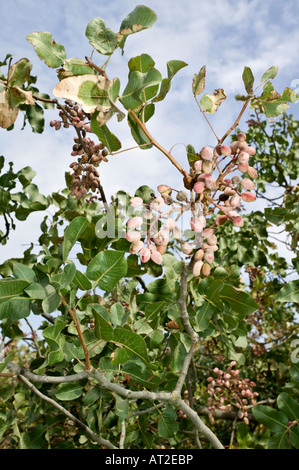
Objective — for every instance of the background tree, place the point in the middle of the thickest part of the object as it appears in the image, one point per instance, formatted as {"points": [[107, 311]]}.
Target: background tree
{"points": [[202, 356]]}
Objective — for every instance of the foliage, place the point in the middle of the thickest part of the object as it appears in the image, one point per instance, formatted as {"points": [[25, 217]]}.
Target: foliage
{"points": [[152, 335]]}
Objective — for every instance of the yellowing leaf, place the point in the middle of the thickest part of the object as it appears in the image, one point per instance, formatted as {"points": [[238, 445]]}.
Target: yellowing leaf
{"points": [[210, 103], [8, 115]]}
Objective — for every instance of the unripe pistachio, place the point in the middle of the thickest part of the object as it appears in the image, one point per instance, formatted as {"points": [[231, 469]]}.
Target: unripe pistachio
{"points": [[199, 187], [206, 153], [221, 219], [225, 150], [246, 183], [243, 167], [199, 255], [206, 270], [161, 249], [212, 240], [211, 184], [235, 200], [236, 180], [156, 257], [197, 268], [152, 247], [133, 235], [234, 147], [176, 233], [136, 246], [198, 165], [229, 191], [163, 188], [207, 167], [187, 248], [243, 146], [209, 256], [250, 150], [196, 224], [161, 238], [145, 255], [167, 199], [243, 157], [170, 224], [208, 232], [181, 196], [248, 196], [157, 203], [207, 247], [241, 137], [135, 222], [252, 172]]}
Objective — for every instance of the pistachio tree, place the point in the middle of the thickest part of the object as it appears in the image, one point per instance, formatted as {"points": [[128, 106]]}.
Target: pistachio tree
{"points": [[151, 335]]}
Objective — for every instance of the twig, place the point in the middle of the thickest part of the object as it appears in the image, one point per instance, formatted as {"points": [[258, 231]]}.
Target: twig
{"points": [[208, 122], [77, 325], [94, 436], [122, 435], [237, 120]]}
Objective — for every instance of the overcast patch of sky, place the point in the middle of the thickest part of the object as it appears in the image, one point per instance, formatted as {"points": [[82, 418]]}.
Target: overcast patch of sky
{"points": [[225, 35]]}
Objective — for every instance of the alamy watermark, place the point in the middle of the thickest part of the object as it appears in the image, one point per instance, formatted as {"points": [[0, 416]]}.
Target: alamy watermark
{"points": [[295, 353]]}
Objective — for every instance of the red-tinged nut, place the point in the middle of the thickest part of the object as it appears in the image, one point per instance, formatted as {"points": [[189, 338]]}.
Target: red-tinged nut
{"points": [[136, 202], [163, 188], [135, 222], [175, 326], [199, 255], [152, 248], [243, 157], [199, 187], [235, 200], [209, 256], [136, 246], [250, 150], [208, 232], [87, 127], [52, 123], [229, 191], [221, 219], [207, 247], [225, 150], [196, 224], [246, 183], [187, 248], [241, 137], [234, 147], [243, 167], [162, 249], [145, 255], [156, 257], [133, 235], [207, 167], [161, 238], [197, 268], [252, 172], [198, 165], [248, 196], [243, 146], [206, 270], [206, 153]]}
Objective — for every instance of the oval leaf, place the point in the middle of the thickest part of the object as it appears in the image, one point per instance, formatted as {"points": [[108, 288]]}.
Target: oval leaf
{"points": [[47, 49], [107, 268]]}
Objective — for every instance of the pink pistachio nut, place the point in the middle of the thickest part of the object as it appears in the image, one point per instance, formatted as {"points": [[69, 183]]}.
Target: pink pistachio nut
{"points": [[209, 256], [197, 268], [156, 257], [136, 246], [225, 150], [163, 188], [243, 167], [135, 222], [252, 172], [136, 202], [206, 153], [145, 255], [235, 200], [241, 137], [198, 165], [243, 157], [250, 150], [187, 248], [157, 203], [221, 219], [133, 235], [247, 196], [199, 187], [246, 183]]}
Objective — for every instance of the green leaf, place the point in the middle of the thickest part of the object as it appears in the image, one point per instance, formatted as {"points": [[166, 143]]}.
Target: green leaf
{"points": [[132, 97], [140, 18], [121, 407], [240, 301], [274, 420], [269, 74], [52, 299], [138, 134], [81, 281], [101, 38], [248, 79], [275, 104], [75, 67], [288, 406], [36, 291], [110, 140], [21, 271], [72, 233], [19, 72], [167, 425], [55, 340], [140, 374], [47, 49], [133, 342], [35, 117], [210, 103], [10, 288], [15, 308], [107, 268], [103, 329], [203, 316], [198, 83], [173, 66], [117, 314], [275, 215], [289, 292], [69, 391], [142, 63]]}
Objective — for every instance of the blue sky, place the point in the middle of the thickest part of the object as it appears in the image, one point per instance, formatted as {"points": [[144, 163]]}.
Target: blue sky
{"points": [[225, 35]]}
